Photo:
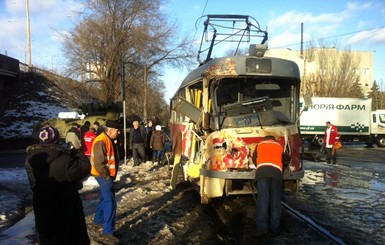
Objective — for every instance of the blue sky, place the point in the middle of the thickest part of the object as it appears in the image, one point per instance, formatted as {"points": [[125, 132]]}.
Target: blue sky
{"points": [[358, 24]]}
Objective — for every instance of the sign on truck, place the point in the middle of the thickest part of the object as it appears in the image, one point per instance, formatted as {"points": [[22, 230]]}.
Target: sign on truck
{"points": [[352, 116]]}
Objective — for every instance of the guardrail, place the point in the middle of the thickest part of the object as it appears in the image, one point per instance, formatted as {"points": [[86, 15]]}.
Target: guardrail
{"points": [[25, 68]]}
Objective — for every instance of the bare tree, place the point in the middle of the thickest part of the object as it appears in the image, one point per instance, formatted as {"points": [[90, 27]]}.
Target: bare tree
{"points": [[335, 75], [134, 32]]}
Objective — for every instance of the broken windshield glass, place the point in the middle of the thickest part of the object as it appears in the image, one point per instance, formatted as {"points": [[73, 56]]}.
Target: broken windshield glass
{"points": [[246, 102]]}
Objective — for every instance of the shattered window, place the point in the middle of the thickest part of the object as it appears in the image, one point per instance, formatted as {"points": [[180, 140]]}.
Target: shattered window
{"points": [[255, 101]]}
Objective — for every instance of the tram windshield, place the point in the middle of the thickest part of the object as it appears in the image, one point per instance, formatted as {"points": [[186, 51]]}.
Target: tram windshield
{"points": [[246, 102]]}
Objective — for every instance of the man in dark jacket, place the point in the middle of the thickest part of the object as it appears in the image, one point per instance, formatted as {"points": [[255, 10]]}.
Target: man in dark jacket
{"points": [[149, 130], [84, 128], [55, 176], [137, 142]]}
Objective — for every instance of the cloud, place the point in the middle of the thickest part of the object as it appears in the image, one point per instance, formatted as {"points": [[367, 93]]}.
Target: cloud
{"points": [[377, 37], [284, 29], [356, 6], [48, 18], [290, 21], [14, 7]]}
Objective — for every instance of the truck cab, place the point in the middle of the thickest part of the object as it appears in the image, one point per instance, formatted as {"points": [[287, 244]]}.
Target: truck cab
{"points": [[378, 127]]}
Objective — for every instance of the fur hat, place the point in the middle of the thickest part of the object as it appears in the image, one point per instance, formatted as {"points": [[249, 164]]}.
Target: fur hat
{"points": [[113, 124], [158, 127], [48, 135]]}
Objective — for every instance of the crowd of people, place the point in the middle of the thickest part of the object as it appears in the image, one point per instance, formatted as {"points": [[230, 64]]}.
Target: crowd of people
{"points": [[56, 172]]}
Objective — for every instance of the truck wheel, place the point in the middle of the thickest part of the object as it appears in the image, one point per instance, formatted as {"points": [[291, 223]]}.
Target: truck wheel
{"points": [[380, 141], [320, 140]]}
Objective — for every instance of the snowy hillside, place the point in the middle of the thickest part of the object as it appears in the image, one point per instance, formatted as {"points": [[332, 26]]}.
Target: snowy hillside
{"points": [[34, 99]]}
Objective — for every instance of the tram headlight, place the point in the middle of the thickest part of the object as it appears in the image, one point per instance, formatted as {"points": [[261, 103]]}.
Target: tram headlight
{"points": [[254, 65]]}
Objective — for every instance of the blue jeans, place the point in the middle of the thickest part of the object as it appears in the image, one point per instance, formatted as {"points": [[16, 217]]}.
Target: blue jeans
{"points": [[156, 155], [105, 212], [269, 199]]}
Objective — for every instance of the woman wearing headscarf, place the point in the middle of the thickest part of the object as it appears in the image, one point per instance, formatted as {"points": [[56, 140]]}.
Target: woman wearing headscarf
{"points": [[55, 176]]}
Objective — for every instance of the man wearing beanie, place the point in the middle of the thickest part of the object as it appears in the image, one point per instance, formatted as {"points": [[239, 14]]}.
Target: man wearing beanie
{"points": [[55, 176], [104, 162]]}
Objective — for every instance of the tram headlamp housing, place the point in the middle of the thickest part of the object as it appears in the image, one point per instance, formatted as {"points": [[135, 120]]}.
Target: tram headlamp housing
{"points": [[257, 50], [255, 65]]}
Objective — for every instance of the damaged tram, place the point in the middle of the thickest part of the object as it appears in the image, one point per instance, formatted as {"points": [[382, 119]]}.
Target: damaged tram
{"points": [[223, 109]]}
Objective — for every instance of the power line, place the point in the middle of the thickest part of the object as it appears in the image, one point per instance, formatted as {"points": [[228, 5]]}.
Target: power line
{"points": [[340, 35], [196, 30]]}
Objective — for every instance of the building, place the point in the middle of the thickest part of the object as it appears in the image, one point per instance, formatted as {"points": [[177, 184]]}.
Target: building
{"points": [[312, 64]]}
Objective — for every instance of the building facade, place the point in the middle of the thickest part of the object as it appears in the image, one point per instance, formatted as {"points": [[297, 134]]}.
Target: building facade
{"points": [[330, 62]]}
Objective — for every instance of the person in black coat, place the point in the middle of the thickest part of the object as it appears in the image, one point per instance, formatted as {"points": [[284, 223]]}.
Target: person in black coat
{"points": [[137, 142], [55, 176]]}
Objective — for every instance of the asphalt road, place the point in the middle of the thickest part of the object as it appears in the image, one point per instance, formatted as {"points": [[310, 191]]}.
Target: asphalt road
{"points": [[12, 158]]}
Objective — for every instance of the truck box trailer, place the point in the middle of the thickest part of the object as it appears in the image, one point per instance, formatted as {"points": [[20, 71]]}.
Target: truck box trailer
{"points": [[352, 116]]}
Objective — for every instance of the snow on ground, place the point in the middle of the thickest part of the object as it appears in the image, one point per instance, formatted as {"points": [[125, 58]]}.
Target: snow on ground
{"points": [[16, 194], [149, 212], [21, 128], [35, 99]]}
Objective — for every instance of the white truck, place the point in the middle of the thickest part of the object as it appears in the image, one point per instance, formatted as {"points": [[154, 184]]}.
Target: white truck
{"points": [[352, 116]]}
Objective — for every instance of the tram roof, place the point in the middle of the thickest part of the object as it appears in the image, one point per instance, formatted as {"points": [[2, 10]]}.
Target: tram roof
{"points": [[236, 66]]}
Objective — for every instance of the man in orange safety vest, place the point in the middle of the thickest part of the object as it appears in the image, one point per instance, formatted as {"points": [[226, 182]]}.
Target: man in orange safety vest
{"points": [[269, 155], [104, 165]]}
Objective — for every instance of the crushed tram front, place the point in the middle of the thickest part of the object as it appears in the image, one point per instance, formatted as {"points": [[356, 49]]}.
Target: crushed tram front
{"points": [[223, 109]]}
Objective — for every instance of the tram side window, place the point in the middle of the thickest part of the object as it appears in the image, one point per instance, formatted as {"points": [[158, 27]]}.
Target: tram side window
{"points": [[195, 92], [179, 117]]}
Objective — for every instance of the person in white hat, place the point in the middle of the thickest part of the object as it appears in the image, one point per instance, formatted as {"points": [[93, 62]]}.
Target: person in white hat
{"points": [[157, 144]]}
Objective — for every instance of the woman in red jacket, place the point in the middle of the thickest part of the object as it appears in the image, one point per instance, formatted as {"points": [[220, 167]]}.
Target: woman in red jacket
{"points": [[331, 137]]}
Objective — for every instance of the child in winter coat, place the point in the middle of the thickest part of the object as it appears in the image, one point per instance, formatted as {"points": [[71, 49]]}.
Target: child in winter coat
{"points": [[157, 143]]}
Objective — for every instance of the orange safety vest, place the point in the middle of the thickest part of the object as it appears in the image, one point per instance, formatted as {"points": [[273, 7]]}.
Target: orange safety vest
{"points": [[269, 153], [109, 156]]}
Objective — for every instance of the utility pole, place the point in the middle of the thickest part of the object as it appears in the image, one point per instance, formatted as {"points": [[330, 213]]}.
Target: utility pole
{"points": [[28, 35], [145, 75], [123, 84]]}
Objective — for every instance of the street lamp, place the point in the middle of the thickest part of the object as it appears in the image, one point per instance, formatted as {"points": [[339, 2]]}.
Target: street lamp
{"points": [[145, 75], [123, 84], [28, 33], [145, 78]]}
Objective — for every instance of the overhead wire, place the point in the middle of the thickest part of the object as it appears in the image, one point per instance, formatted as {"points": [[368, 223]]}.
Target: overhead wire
{"points": [[199, 22], [339, 35]]}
